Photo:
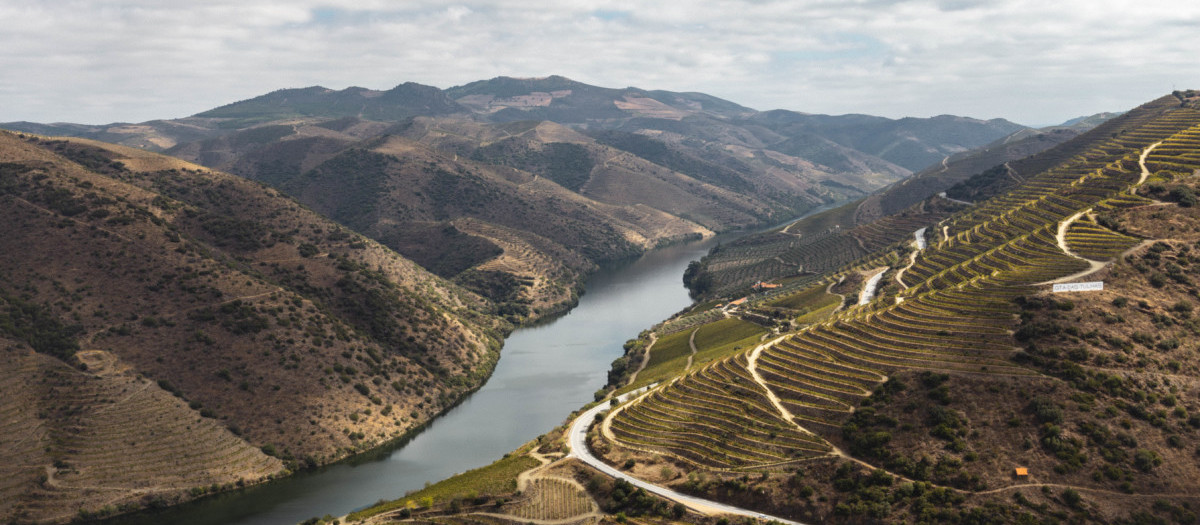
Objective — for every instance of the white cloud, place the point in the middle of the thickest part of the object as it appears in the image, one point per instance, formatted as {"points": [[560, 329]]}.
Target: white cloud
{"points": [[1032, 61]]}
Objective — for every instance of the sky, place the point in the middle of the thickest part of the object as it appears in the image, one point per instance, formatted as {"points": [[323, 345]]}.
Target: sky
{"points": [[1035, 62]]}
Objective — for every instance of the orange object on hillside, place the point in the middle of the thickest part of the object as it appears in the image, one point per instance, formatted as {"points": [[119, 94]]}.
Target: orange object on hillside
{"points": [[1022, 472]]}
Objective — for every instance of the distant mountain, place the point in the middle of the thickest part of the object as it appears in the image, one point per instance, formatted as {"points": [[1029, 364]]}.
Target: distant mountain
{"points": [[566, 101], [406, 100], [913, 143], [1089, 121], [168, 331], [517, 188]]}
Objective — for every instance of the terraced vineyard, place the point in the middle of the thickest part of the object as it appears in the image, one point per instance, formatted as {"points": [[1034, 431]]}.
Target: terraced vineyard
{"points": [[781, 254], [780, 402], [552, 499], [95, 458], [1092, 241]]}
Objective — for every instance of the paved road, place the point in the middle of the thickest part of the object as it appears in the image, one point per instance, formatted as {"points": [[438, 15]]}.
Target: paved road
{"points": [[577, 439], [868, 291], [919, 238]]}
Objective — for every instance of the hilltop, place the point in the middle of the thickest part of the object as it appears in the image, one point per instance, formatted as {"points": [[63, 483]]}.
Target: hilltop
{"points": [[937, 378], [169, 331], [518, 188]]}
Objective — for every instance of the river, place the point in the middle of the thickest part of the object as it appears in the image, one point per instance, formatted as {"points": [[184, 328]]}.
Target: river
{"points": [[544, 373]]}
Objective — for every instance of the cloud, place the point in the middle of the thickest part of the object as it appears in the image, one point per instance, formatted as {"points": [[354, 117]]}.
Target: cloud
{"points": [[1032, 61]]}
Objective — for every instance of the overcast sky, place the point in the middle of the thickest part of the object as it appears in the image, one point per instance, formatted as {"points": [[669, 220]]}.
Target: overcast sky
{"points": [[1031, 61]]}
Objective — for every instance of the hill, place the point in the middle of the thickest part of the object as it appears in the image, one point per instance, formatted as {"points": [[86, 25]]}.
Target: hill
{"points": [[940, 380], [170, 331], [881, 218], [962, 365], [517, 188]]}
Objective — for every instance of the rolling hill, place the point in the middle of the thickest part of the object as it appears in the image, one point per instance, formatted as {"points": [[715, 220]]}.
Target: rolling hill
{"points": [[169, 331], [944, 378], [517, 188], [963, 386], [962, 365]]}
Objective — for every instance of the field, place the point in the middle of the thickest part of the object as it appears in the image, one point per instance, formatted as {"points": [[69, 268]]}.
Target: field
{"points": [[808, 301], [670, 355], [495, 479]]}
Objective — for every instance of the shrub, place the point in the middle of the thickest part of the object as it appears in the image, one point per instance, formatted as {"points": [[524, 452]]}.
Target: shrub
{"points": [[1071, 497], [1184, 196], [1146, 460]]}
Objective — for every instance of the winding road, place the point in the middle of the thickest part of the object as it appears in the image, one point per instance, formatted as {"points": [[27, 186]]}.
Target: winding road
{"points": [[1060, 236], [577, 434], [577, 440]]}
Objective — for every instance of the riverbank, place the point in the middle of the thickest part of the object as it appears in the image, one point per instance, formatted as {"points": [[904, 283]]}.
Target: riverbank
{"points": [[545, 372]]}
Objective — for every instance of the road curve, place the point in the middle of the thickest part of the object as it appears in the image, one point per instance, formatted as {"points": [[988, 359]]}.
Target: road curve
{"points": [[577, 440]]}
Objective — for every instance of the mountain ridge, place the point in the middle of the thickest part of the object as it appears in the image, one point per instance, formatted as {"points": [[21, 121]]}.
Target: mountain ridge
{"points": [[649, 166]]}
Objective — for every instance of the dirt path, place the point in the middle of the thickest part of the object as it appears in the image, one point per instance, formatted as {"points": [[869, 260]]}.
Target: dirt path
{"points": [[1085, 489], [509, 517], [943, 195], [1012, 174], [578, 430], [692, 345], [1142, 164], [752, 368], [912, 259], [645, 359], [1060, 237], [829, 290], [919, 240]]}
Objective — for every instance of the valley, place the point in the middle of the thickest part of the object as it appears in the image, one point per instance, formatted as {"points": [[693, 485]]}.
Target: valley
{"points": [[898, 357], [964, 390], [517, 189]]}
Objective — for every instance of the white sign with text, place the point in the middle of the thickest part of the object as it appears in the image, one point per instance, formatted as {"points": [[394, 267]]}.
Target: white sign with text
{"points": [[1093, 286]]}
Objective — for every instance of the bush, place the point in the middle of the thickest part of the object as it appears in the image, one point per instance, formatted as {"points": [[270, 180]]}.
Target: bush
{"points": [[1184, 196], [1146, 460], [1071, 497]]}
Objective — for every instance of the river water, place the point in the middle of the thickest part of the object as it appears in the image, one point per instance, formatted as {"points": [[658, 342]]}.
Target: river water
{"points": [[544, 373]]}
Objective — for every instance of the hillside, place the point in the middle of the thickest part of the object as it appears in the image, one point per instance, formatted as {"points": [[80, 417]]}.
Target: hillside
{"points": [[170, 331], [517, 188], [938, 380], [964, 366], [836, 236]]}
